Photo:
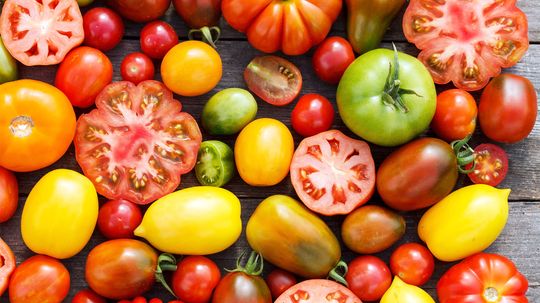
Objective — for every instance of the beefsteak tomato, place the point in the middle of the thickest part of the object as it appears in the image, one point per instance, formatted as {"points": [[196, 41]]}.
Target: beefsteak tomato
{"points": [[7, 265], [316, 291]]}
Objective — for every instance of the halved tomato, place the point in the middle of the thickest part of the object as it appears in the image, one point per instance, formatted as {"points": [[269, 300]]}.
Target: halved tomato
{"points": [[466, 42], [41, 32], [316, 291], [332, 173], [491, 165], [137, 143]]}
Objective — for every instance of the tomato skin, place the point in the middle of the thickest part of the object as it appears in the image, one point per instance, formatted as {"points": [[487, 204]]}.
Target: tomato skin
{"points": [[198, 13], [455, 116], [240, 287], [8, 65], [157, 38], [405, 293], [7, 265], [368, 277], [118, 219], [508, 108], [279, 280], [312, 114], [332, 58], [140, 10], [39, 279], [228, 111], [103, 28], [9, 194], [413, 263], [318, 290], [83, 74], [87, 296], [195, 279], [137, 67]]}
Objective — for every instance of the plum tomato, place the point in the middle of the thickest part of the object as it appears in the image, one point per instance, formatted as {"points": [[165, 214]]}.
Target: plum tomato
{"points": [[118, 219], [9, 194], [312, 114], [103, 28], [491, 165], [140, 10], [368, 277], [413, 263], [137, 67], [316, 291], [137, 142], [215, 163], [157, 38], [228, 111], [195, 279], [7, 265], [455, 115], [87, 296], [279, 280], [332, 58]]}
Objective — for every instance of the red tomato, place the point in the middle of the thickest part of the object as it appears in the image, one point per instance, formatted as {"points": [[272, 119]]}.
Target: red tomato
{"points": [[137, 67], [118, 219], [463, 41], [198, 13], [87, 296], [103, 28], [455, 116], [279, 280], [413, 263], [316, 291], [9, 194], [140, 10], [491, 165], [508, 108], [7, 265], [332, 58], [332, 173], [37, 34], [126, 153], [157, 38], [83, 74], [195, 279], [368, 277], [312, 114], [39, 279]]}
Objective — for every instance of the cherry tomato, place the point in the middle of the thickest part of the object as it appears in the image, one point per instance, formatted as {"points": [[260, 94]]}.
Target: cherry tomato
{"points": [[491, 165], [195, 279], [103, 28], [87, 296], [455, 116], [140, 10], [7, 265], [118, 219], [157, 38], [368, 278], [137, 67], [332, 58], [279, 280], [9, 194], [312, 114], [413, 263]]}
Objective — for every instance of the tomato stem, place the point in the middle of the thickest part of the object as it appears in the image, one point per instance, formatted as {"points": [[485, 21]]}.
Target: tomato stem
{"points": [[209, 35], [335, 275], [464, 154], [254, 265], [166, 262]]}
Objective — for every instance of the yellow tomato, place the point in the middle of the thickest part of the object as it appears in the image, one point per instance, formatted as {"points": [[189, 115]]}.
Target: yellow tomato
{"points": [[198, 220], [263, 152], [465, 222], [401, 292], [191, 68], [60, 214]]}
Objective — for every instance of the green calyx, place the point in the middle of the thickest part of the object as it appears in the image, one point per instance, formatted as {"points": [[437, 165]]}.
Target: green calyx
{"points": [[207, 34], [464, 154], [165, 262], [335, 275], [253, 267]]}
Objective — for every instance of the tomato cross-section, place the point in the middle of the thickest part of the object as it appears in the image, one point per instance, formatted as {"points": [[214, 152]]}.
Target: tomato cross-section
{"points": [[319, 291]]}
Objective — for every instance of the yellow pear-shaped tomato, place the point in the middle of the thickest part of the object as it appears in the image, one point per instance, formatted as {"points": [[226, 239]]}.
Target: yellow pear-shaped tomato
{"points": [[465, 222], [401, 292], [60, 214], [199, 220]]}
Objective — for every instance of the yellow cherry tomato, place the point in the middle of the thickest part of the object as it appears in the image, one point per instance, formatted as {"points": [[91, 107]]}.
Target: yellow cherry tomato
{"points": [[263, 152], [401, 292], [191, 68], [199, 220], [60, 214], [465, 222]]}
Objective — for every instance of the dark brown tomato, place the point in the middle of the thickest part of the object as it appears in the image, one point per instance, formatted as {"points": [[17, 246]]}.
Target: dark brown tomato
{"points": [[279, 281], [240, 287], [198, 13], [140, 10]]}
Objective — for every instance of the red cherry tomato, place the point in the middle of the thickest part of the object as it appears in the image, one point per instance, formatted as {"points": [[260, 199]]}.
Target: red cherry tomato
{"points": [[332, 58], [103, 28], [368, 277], [455, 116], [140, 10], [312, 114], [279, 280], [118, 219], [157, 38], [491, 165], [87, 296], [413, 263], [195, 279], [9, 194], [137, 67]]}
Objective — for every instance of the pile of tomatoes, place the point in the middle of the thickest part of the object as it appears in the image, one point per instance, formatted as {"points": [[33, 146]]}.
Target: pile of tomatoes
{"points": [[134, 142]]}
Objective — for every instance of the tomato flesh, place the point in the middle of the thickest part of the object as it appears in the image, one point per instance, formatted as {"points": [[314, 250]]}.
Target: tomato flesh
{"points": [[491, 165], [318, 291]]}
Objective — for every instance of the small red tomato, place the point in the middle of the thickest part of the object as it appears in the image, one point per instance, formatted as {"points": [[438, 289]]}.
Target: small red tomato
{"points": [[87, 296], [413, 263], [279, 280], [312, 114], [157, 38], [118, 219], [195, 279], [332, 58], [455, 116], [137, 67], [368, 278], [139, 300], [155, 300], [491, 165], [9, 194], [103, 28]]}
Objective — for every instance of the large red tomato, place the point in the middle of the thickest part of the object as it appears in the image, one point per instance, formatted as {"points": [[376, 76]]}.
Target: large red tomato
{"points": [[140, 10], [293, 26], [137, 143], [466, 42], [316, 291], [41, 32]]}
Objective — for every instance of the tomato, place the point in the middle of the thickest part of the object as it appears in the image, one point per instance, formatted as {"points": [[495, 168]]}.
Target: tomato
{"points": [[7, 265], [137, 67], [9, 194], [66, 203], [35, 116], [332, 173], [121, 268], [37, 34], [140, 10], [455, 116], [312, 114], [198, 13], [215, 163], [8, 65], [118, 219], [371, 229], [195, 279], [263, 151], [274, 79], [84, 2], [483, 278], [331, 59], [401, 292], [103, 28], [279, 280], [228, 111], [125, 153], [465, 222], [87, 296], [491, 165], [83, 74], [508, 108], [368, 277], [413, 263], [39, 279], [290, 26], [316, 291], [191, 68], [157, 38], [199, 220]]}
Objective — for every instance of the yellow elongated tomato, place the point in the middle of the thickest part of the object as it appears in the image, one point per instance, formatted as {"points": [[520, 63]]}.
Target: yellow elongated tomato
{"points": [[199, 220], [465, 222], [263, 152], [401, 292], [60, 214]]}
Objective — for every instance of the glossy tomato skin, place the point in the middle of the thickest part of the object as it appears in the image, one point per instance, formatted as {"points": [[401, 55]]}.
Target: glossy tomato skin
{"points": [[455, 116], [368, 277], [279, 280], [157, 38], [332, 58], [137, 67], [140, 10], [508, 108], [87, 296], [491, 165], [39, 279], [316, 291], [413, 263], [406, 293], [7, 266], [103, 28], [228, 111], [83, 74], [195, 279], [240, 287], [9, 194], [312, 114], [118, 219], [8, 65], [198, 13]]}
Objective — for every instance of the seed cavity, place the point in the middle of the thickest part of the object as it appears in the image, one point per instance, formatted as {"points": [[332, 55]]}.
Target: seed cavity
{"points": [[435, 63], [299, 295]]}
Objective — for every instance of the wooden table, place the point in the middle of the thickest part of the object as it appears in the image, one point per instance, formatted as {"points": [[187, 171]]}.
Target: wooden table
{"points": [[519, 241]]}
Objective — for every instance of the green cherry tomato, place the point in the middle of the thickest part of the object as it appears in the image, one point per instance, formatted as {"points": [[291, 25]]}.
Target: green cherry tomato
{"points": [[84, 2], [228, 111], [8, 65], [215, 163]]}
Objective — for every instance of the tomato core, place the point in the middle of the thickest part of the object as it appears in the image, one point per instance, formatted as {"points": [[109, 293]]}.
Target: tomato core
{"points": [[464, 31], [21, 126], [491, 295]]}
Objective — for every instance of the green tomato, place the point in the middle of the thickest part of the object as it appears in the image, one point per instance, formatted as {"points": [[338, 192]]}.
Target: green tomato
{"points": [[228, 111], [84, 2], [386, 100], [8, 65], [215, 163]]}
